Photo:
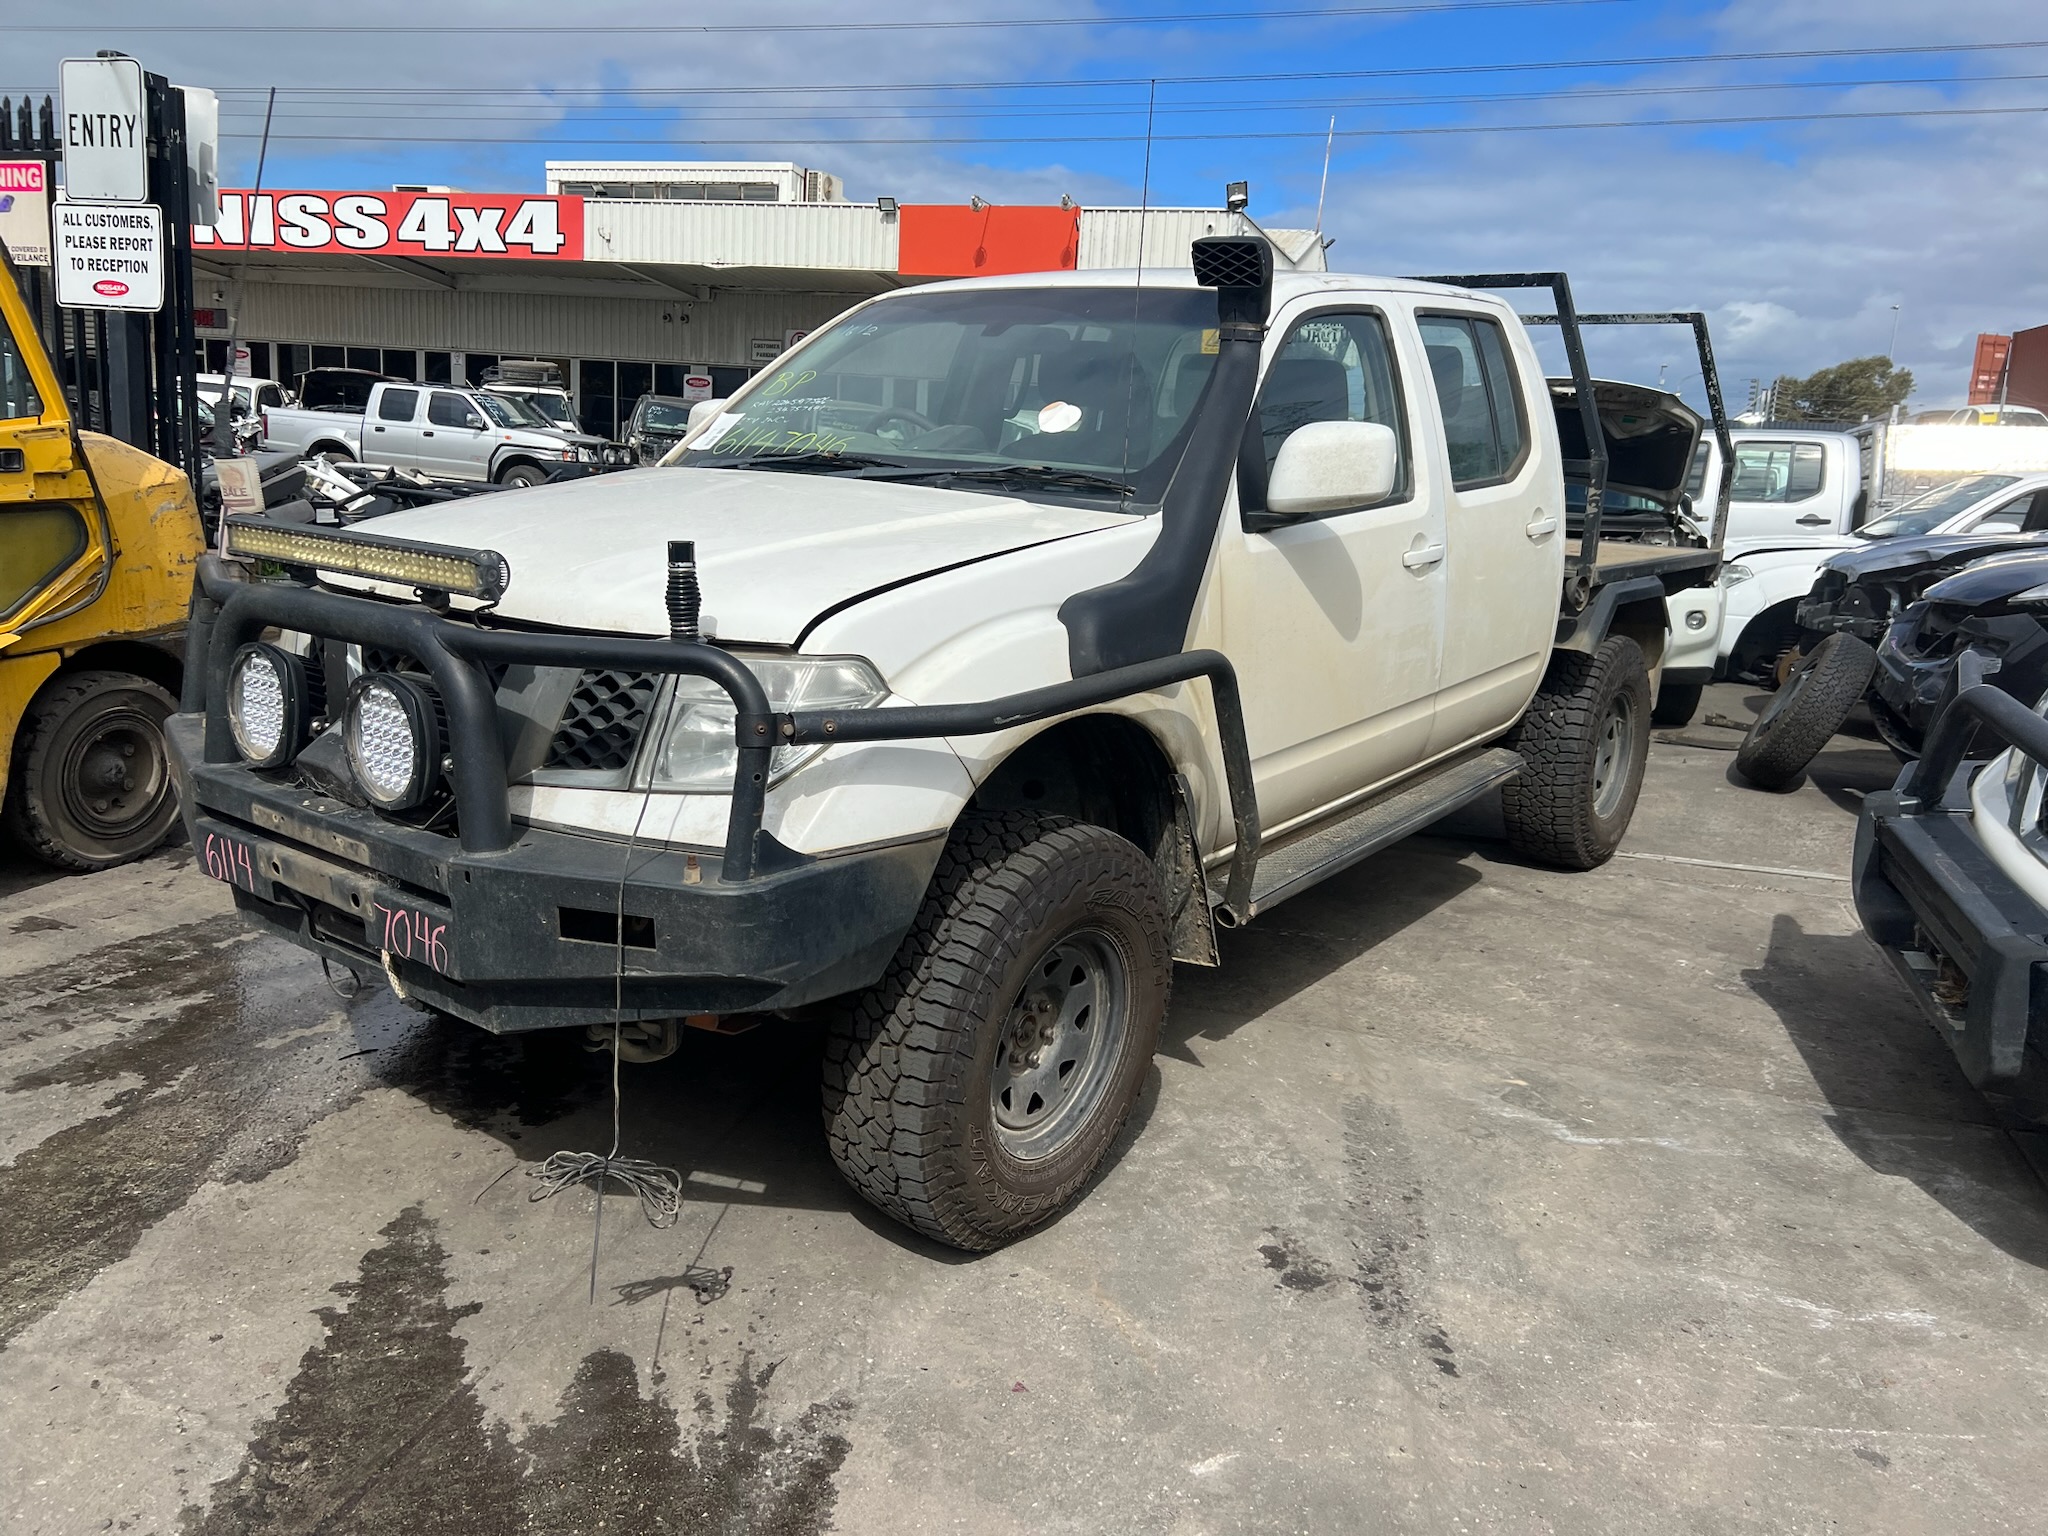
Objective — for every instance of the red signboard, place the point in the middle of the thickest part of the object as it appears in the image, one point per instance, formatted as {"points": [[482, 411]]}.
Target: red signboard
{"points": [[946, 240], [423, 224]]}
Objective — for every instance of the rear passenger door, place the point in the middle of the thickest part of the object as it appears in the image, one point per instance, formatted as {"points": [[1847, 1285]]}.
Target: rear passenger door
{"points": [[1334, 621], [389, 435], [1505, 526]]}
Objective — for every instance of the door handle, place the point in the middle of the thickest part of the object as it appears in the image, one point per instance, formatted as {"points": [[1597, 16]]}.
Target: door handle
{"points": [[1541, 526], [1422, 559], [426, 434], [1813, 520], [376, 429]]}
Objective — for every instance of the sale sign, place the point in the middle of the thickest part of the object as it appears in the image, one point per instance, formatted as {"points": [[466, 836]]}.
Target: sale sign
{"points": [[423, 224]]}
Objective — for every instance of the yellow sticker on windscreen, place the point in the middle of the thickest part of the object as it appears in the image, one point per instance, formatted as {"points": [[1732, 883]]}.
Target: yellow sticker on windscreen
{"points": [[1212, 343]]}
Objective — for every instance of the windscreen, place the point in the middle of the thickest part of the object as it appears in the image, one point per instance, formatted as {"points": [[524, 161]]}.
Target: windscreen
{"points": [[1935, 507], [1099, 383], [552, 410], [511, 411], [665, 415]]}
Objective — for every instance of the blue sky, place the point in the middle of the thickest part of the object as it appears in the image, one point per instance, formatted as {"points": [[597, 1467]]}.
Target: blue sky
{"points": [[1798, 236]]}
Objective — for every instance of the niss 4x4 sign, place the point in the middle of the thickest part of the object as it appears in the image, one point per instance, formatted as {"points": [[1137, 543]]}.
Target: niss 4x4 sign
{"points": [[399, 224]]}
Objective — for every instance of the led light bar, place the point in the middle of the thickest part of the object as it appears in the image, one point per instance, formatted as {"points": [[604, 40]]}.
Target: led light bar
{"points": [[481, 573]]}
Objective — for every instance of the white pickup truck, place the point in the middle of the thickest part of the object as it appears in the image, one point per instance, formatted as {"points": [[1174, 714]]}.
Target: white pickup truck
{"points": [[960, 675], [441, 430]]}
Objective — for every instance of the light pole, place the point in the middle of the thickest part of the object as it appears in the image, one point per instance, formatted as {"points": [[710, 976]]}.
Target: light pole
{"points": [[1892, 347]]}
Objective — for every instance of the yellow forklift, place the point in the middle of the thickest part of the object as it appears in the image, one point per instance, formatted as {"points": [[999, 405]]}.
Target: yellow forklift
{"points": [[98, 542]]}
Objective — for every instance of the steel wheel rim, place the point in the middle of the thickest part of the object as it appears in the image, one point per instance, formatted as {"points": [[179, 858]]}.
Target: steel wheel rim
{"points": [[114, 776], [1611, 755], [1059, 1045]]}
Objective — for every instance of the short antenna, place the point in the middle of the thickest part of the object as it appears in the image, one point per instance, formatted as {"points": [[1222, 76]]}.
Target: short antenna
{"points": [[1328, 141]]}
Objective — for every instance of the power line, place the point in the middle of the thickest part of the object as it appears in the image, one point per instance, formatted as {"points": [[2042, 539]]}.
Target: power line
{"points": [[995, 23], [1183, 138], [1414, 71], [1137, 109]]}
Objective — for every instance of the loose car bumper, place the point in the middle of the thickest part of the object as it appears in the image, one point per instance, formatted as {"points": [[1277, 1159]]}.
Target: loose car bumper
{"points": [[527, 937]]}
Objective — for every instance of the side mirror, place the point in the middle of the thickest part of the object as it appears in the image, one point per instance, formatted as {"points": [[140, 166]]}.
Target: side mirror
{"points": [[703, 411], [474, 422], [1329, 466]]}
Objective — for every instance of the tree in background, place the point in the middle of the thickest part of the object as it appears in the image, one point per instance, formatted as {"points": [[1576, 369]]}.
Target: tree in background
{"points": [[1862, 387]]}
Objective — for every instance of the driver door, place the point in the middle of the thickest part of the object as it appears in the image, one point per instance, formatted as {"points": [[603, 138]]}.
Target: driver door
{"points": [[1335, 621]]}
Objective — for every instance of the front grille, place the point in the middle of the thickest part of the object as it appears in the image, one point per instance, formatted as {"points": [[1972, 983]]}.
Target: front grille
{"points": [[602, 722]]}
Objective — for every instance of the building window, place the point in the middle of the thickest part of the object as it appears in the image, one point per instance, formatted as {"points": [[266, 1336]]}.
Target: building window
{"points": [[369, 359], [475, 363], [330, 357], [635, 380], [401, 363], [437, 369]]}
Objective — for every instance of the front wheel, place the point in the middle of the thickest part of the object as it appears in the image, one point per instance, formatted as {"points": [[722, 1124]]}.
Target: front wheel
{"points": [[1583, 741], [92, 779], [973, 1090], [517, 477]]}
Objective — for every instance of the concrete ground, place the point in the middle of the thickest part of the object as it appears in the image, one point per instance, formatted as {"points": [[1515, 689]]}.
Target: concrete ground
{"points": [[1466, 1196]]}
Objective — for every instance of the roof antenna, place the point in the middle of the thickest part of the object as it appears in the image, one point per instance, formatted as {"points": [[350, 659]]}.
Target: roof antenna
{"points": [[1328, 141], [1137, 286]]}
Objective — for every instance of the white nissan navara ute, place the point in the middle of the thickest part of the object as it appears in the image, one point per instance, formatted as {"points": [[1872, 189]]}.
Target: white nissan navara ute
{"points": [[951, 681]]}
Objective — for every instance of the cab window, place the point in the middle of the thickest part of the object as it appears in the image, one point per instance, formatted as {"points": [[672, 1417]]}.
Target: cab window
{"points": [[1778, 472], [397, 404], [1335, 366], [1486, 429], [446, 410], [18, 396], [36, 544]]}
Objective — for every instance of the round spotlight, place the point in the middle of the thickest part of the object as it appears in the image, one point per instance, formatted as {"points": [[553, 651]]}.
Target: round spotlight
{"points": [[394, 740], [268, 710]]}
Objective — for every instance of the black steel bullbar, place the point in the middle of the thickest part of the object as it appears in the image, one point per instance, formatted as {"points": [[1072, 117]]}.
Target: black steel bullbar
{"points": [[2011, 721], [229, 611]]}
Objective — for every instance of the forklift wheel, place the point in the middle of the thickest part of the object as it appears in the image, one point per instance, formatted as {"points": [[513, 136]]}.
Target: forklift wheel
{"points": [[92, 780]]}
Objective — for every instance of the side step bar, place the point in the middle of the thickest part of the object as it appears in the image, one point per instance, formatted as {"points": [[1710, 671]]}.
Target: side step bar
{"points": [[1315, 855]]}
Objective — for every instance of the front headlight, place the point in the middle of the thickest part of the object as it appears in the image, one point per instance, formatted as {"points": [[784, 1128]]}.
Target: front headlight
{"points": [[393, 733], [695, 751], [1732, 575]]}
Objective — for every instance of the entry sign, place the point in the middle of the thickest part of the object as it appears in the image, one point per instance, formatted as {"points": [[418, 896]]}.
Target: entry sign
{"points": [[25, 212], [109, 256], [105, 124], [697, 386]]}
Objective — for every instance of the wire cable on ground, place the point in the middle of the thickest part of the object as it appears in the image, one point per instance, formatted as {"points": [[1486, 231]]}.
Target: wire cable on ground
{"points": [[659, 1188]]}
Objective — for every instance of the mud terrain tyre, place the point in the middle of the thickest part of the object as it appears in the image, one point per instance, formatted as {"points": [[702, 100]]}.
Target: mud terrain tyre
{"points": [[518, 477], [1676, 703], [91, 783], [973, 1090], [1583, 743], [1808, 708]]}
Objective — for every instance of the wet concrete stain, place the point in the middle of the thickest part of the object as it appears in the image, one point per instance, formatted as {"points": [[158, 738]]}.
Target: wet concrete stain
{"points": [[1299, 1269], [36, 923], [205, 1106], [229, 1088], [379, 1430], [381, 1433], [1390, 1239]]}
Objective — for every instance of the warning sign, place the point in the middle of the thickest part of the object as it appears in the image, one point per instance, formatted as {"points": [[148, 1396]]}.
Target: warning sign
{"points": [[109, 256], [25, 211]]}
